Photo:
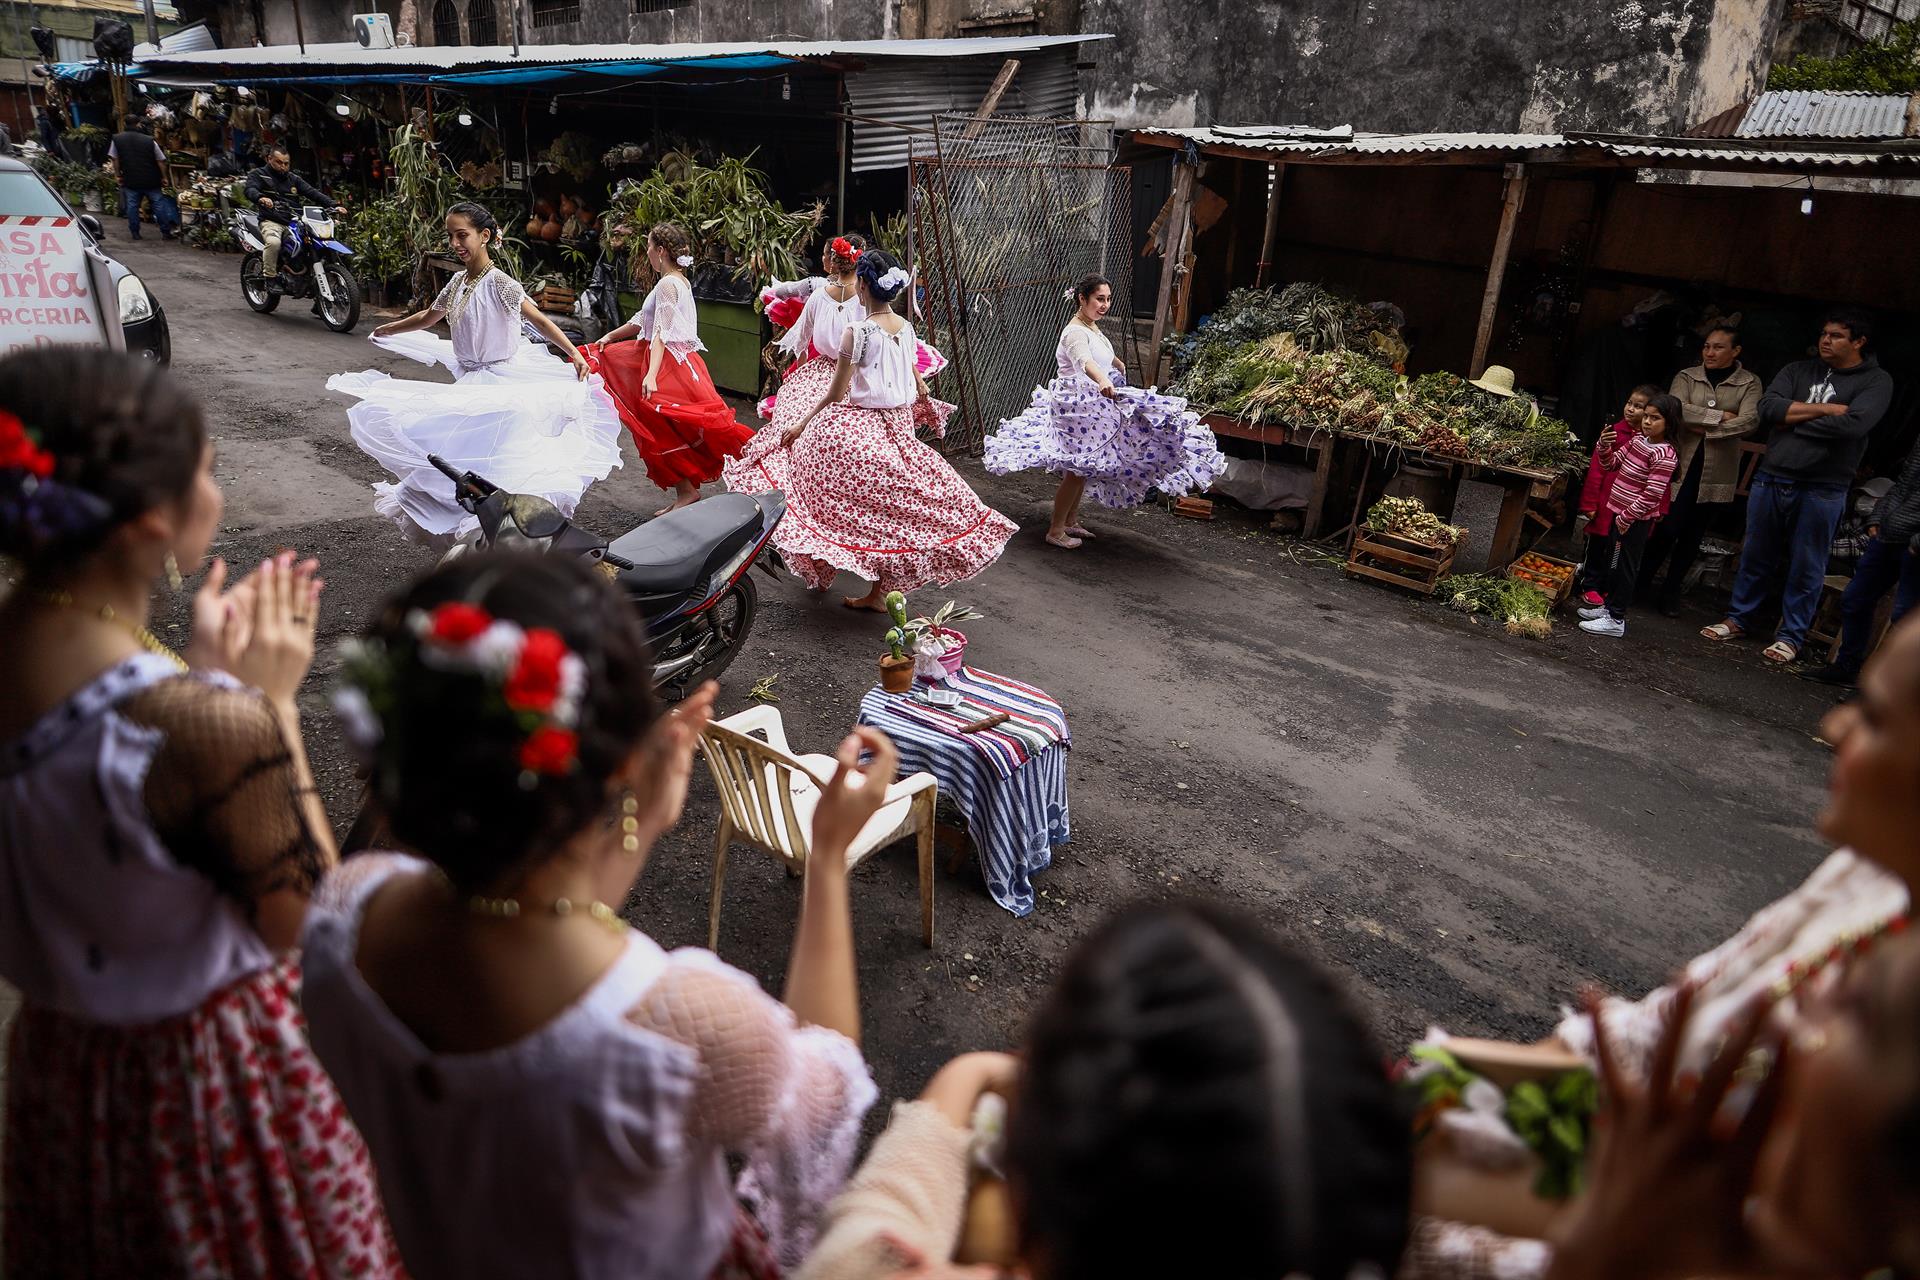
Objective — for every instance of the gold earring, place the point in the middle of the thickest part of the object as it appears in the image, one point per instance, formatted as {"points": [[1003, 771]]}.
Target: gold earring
{"points": [[630, 823], [172, 567]]}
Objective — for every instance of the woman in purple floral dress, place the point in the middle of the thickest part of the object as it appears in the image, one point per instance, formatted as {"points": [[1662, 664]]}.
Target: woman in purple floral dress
{"points": [[1111, 442]]}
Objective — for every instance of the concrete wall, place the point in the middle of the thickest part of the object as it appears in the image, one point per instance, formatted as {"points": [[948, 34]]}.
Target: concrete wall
{"points": [[1417, 65]]}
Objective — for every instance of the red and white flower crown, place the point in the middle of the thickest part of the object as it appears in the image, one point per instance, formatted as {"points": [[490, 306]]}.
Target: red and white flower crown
{"points": [[531, 676]]}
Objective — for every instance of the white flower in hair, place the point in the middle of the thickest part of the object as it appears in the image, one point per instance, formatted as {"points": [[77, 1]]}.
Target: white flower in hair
{"points": [[685, 260], [895, 279], [1070, 294], [357, 721]]}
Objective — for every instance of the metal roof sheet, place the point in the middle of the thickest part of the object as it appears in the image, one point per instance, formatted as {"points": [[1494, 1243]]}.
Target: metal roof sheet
{"points": [[441, 58], [896, 98], [1825, 113], [1299, 139]]}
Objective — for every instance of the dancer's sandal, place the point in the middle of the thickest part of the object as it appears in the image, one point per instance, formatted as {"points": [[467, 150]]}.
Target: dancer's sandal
{"points": [[1722, 631], [1781, 652], [1081, 531], [1064, 540]]}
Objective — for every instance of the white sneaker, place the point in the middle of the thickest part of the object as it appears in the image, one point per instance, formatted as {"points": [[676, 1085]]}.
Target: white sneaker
{"points": [[1588, 614], [1604, 625]]}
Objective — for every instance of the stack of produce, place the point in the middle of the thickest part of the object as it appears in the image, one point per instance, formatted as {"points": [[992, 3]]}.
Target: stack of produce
{"points": [[1555, 577], [1520, 605], [1407, 518], [1309, 359]]}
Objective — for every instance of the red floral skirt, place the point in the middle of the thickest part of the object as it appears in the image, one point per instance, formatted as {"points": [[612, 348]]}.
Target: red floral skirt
{"points": [[211, 1144], [685, 431]]}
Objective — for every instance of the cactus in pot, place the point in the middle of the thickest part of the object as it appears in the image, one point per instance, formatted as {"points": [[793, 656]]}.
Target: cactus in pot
{"points": [[896, 665]]}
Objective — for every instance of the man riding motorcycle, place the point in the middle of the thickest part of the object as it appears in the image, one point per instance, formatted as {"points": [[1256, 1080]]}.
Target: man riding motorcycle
{"points": [[280, 192]]}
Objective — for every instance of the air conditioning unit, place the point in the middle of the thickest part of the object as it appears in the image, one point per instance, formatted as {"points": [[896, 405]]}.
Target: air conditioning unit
{"points": [[373, 30]]}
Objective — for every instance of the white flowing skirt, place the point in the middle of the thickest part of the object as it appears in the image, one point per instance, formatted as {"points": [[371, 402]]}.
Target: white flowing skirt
{"points": [[527, 424]]}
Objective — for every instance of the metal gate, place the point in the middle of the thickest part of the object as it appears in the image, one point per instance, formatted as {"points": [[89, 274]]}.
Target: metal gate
{"points": [[1006, 216]]}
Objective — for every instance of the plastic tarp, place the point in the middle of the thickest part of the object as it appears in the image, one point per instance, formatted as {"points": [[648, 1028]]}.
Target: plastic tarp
{"points": [[81, 72], [621, 70]]}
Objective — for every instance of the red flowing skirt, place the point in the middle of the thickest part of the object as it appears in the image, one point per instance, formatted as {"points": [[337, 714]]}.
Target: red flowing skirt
{"points": [[685, 431]]}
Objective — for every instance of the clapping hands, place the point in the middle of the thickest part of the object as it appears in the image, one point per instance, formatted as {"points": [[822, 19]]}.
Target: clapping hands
{"points": [[260, 631], [856, 791]]}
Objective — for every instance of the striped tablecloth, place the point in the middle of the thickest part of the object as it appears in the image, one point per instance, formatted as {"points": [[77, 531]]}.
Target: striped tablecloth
{"points": [[1014, 796]]}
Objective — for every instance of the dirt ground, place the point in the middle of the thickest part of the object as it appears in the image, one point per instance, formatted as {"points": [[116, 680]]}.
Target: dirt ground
{"points": [[1464, 825]]}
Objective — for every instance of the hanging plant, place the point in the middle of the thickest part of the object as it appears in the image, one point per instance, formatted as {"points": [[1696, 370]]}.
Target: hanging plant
{"points": [[739, 232]]}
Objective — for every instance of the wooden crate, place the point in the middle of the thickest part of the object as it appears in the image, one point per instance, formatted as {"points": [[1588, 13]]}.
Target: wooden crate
{"points": [[1402, 562], [1566, 587]]}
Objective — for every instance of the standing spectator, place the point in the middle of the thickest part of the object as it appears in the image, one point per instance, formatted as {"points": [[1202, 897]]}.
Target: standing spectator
{"points": [[1634, 504], [140, 166], [1721, 403], [1603, 468], [1821, 411], [1890, 560]]}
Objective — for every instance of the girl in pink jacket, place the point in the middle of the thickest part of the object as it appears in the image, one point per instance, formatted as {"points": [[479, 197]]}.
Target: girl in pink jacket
{"points": [[1635, 501]]}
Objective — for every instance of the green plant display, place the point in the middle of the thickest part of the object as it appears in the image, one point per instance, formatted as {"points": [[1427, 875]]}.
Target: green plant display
{"points": [[1516, 603], [890, 235], [1407, 518], [1554, 1120], [727, 209], [380, 235], [1890, 64], [74, 180], [425, 187]]}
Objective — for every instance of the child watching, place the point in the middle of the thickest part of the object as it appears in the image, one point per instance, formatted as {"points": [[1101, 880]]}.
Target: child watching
{"points": [[1636, 499], [1601, 470]]}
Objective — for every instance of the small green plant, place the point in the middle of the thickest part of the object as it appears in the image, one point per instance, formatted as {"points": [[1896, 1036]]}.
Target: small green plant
{"points": [[1554, 1120], [726, 207], [1890, 64], [380, 234]]}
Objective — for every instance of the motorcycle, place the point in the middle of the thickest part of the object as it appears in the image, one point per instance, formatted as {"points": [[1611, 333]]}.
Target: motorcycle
{"points": [[685, 572], [312, 265]]}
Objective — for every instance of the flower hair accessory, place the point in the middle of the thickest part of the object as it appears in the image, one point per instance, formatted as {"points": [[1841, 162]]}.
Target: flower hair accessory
{"points": [[531, 680], [36, 509], [895, 279], [1071, 293], [843, 249], [684, 260]]}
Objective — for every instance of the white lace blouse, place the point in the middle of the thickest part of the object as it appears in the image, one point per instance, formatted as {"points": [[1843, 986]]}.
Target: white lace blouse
{"points": [[883, 365], [823, 322], [1079, 344], [596, 1146], [484, 317], [670, 314]]}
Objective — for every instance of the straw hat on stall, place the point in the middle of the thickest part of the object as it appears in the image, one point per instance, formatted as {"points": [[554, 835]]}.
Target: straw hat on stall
{"points": [[1497, 378]]}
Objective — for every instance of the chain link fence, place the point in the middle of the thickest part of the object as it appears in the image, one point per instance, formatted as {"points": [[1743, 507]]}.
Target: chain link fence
{"points": [[1006, 215]]}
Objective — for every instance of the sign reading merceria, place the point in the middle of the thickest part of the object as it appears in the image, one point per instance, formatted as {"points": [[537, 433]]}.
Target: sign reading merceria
{"points": [[46, 291]]}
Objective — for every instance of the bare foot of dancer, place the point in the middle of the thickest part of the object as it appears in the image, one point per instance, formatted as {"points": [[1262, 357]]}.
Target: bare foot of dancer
{"points": [[684, 495], [1066, 540], [875, 600], [1081, 531]]}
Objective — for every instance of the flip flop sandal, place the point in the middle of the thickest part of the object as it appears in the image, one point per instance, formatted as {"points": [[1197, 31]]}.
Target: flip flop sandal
{"points": [[1721, 631], [1780, 652]]}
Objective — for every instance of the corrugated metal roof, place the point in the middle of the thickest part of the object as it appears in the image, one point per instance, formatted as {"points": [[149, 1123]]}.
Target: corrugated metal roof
{"points": [[186, 40], [473, 58], [1825, 113], [1569, 148], [896, 98]]}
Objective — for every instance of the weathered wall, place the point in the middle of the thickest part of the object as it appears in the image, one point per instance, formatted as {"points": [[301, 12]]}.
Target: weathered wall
{"points": [[1418, 65], [613, 21]]}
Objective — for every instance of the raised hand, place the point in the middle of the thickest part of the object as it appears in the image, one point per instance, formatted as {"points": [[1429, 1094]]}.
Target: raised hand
{"points": [[856, 792], [666, 762], [279, 648], [222, 620]]}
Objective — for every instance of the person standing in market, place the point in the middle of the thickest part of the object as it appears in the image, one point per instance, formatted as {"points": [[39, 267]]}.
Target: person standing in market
{"points": [[1889, 561], [140, 167], [1820, 411], [1721, 401], [278, 191]]}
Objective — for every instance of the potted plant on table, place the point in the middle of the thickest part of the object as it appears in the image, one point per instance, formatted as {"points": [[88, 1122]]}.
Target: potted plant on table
{"points": [[924, 646]]}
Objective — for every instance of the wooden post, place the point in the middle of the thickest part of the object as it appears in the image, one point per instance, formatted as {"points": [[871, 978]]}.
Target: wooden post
{"points": [[1271, 238], [1173, 248], [1515, 195], [991, 103]]}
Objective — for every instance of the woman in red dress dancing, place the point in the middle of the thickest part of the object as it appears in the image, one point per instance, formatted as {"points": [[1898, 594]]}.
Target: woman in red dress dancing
{"points": [[683, 429]]}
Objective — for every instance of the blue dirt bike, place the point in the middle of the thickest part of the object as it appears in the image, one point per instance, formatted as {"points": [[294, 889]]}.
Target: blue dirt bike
{"points": [[312, 265]]}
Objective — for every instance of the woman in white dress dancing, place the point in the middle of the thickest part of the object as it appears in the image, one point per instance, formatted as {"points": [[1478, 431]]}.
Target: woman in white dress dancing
{"points": [[527, 422]]}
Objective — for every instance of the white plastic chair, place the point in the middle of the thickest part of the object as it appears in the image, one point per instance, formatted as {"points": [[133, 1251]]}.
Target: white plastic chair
{"points": [[769, 794]]}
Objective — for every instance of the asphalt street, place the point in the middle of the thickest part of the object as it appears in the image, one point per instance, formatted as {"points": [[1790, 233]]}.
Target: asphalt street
{"points": [[1465, 826]]}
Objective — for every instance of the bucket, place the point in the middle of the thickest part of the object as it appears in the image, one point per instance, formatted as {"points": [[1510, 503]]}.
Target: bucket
{"points": [[1428, 484], [955, 657]]}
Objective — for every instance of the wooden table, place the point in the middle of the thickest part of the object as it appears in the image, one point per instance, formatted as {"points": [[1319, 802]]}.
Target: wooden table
{"points": [[1316, 441]]}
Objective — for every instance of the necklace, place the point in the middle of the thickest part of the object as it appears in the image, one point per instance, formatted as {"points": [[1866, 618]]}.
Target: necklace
{"points": [[1847, 946], [470, 286], [106, 613], [509, 909]]}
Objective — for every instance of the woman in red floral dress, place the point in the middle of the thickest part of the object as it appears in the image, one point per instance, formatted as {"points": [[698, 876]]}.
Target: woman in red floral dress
{"points": [[864, 494], [159, 834], [665, 395]]}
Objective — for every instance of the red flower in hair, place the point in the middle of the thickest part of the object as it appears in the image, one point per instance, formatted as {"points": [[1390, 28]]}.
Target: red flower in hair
{"points": [[549, 750], [458, 623], [844, 250], [17, 449], [535, 681]]}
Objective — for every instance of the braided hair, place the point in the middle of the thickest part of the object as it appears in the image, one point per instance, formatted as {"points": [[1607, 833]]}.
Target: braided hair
{"points": [[445, 771], [673, 240], [882, 273], [838, 265], [480, 217], [1189, 1069], [124, 435]]}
